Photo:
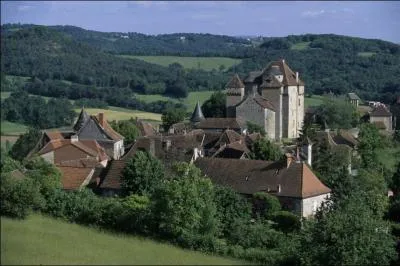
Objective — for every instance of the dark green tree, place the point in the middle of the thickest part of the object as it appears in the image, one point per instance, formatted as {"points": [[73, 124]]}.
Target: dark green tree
{"points": [[25, 143], [172, 116], [263, 149], [142, 174], [369, 141], [127, 128], [215, 105]]}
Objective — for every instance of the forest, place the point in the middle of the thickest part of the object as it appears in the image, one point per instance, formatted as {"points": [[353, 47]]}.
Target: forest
{"points": [[326, 62]]}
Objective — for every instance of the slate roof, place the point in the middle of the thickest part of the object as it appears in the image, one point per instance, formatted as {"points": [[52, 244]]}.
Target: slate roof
{"points": [[221, 123], [380, 110], [114, 135], [264, 102], [74, 177], [197, 114], [235, 82], [353, 96], [250, 176], [82, 119]]}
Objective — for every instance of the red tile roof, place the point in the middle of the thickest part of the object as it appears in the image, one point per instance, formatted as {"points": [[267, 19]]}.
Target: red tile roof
{"points": [[74, 177]]}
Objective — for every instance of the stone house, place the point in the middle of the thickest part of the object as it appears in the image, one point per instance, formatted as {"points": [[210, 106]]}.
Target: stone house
{"points": [[353, 98], [96, 127], [381, 117], [293, 183], [279, 89]]}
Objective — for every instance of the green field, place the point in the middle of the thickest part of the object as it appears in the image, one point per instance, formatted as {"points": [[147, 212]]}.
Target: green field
{"points": [[10, 128], [205, 63], [300, 46], [116, 113], [41, 240], [189, 101], [315, 100]]}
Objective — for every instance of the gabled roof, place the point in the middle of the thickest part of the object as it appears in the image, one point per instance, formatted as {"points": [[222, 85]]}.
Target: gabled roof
{"points": [[197, 115], [353, 96], [228, 136], [106, 127], [221, 123], [235, 83], [75, 177], [380, 110], [250, 176], [289, 77]]}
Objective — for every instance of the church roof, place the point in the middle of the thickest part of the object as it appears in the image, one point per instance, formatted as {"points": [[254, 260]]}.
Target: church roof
{"points": [[235, 82], [82, 119], [197, 115]]}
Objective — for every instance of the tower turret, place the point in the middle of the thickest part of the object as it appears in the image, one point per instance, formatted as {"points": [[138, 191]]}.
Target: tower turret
{"points": [[234, 95], [197, 115]]}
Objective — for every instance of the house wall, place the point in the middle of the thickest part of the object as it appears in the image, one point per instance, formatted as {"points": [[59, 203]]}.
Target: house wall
{"points": [[69, 152], [387, 120], [310, 205], [275, 97], [253, 112], [49, 157]]}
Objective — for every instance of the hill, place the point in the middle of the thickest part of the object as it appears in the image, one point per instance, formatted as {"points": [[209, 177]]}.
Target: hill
{"points": [[326, 62], [40, 240]]}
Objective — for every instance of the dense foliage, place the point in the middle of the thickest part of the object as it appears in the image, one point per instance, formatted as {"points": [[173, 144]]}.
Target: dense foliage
{"points": [[126, 128], [35, 111], [264, 149], [25, 143], [215, 105], [171, 116]]}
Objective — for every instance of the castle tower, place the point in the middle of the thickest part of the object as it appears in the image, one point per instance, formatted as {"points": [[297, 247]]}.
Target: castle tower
{"points": [[234, 95], [197, 115]]}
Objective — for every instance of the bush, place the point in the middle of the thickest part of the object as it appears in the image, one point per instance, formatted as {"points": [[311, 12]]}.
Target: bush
{"points": [[19, 197], [286, 221], [266, 204], [204, 243]]}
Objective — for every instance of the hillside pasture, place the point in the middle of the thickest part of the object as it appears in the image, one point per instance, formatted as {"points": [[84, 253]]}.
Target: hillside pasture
{"points": [[116, 113], [300, 46], [205, 63], [12, 129], [366, 54], [314, 100], [40, 240]]}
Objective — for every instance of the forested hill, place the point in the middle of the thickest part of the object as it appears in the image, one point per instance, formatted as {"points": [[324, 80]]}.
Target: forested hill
{"points": [[47, 54], [327, 62], [179, 44]]}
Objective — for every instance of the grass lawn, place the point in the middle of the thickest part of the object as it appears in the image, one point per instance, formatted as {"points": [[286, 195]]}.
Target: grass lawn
{"points": [[300, 46], [190, 101], [10, 128], [205, 63], [389, 156], [315, 100], [116, 113], [41, 240]]}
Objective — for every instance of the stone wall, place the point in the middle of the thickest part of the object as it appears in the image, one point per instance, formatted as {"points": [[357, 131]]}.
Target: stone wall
{"points": [[249, 110], [310, 205], [275, 97], [233, 97]]}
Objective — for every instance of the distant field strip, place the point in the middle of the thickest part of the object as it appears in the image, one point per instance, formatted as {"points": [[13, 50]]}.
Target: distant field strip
{"points": [[46, 241], [115, 113], [205, 63]]}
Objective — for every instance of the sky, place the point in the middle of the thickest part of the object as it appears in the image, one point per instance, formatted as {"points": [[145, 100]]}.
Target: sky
{"points": [[367, 19]]}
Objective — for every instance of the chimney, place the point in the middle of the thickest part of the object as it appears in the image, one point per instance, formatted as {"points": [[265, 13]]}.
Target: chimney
{"points": [[289, 159], [152, 147], [74, 138], [297, 77], [283, 60], [101, 119]]}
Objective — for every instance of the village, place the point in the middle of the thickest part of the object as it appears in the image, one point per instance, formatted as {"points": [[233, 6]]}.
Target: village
{"points": [[93, 155]]}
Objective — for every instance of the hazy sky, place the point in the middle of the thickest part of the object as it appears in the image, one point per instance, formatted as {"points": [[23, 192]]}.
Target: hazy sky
{"points": [[363, 19]]}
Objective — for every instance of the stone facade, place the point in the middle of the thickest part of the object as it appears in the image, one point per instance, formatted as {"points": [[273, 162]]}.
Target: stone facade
{"points": [[310, 205], [386, 120], [283, 88]]}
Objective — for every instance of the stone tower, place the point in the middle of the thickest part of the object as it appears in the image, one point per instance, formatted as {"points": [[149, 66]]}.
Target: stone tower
{"points": [[284, 89], [234, 95]]}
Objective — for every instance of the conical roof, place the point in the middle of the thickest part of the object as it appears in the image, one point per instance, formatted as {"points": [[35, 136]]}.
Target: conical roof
{"points": [[197, 115], [235, 82], [82, 119]]}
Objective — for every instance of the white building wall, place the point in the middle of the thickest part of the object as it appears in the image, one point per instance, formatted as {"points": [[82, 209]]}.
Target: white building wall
{"points": [[310, 205]]}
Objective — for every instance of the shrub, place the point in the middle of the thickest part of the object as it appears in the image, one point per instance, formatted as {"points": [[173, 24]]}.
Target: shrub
{"points": [[266, 204], [286, 221], [19, 197]]}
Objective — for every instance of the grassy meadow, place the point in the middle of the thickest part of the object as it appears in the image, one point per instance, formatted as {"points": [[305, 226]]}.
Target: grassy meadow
{"points": [[10, 128], [315, 100], [205, 63], [46, 241], [300, 46], [117, 113]]}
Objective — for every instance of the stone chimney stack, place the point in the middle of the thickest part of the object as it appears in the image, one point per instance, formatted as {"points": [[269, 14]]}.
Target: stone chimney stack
{"points": [[101, 119], [297, 77]]}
